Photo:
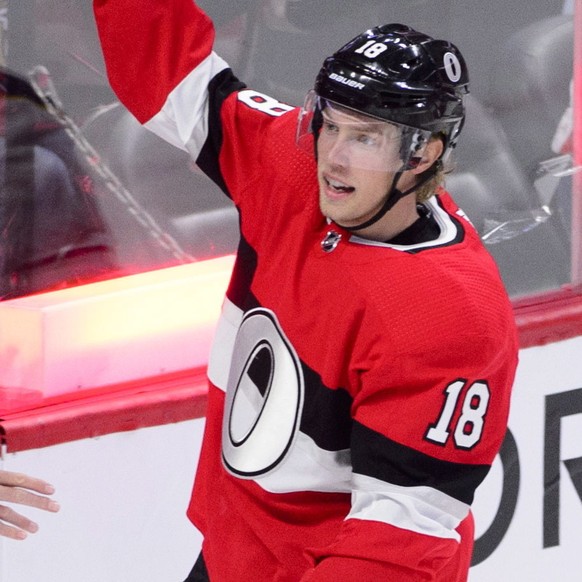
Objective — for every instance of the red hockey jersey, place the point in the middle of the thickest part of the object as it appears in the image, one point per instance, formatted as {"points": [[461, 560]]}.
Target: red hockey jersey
{"points": [[359, 391]]}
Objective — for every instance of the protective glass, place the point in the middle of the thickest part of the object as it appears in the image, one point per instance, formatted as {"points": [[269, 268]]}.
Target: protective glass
{"points": [[353, 140]]}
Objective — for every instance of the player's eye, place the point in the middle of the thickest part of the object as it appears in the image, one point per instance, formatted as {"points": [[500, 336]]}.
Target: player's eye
{"points": [[330, 127], [367, 139]]}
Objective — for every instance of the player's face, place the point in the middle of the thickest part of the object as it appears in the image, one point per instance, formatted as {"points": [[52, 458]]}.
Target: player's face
{"points": [[357, 159]]}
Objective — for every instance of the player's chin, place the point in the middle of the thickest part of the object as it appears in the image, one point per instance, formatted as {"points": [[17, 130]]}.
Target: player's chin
{"points": [[335, 212]]}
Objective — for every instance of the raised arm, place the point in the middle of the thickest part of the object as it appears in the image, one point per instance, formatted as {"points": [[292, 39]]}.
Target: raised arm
{"points": [[150, 47], [160, 63]]}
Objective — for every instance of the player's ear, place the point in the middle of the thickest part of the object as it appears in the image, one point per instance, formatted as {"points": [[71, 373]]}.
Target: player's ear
{"points": [[432, 152]]}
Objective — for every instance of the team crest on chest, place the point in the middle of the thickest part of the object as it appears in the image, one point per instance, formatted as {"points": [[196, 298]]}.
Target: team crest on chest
{"points": [[264, 397]]}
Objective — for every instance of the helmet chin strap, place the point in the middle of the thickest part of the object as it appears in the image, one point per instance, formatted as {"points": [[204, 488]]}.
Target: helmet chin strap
{"points": [[393, 196]]}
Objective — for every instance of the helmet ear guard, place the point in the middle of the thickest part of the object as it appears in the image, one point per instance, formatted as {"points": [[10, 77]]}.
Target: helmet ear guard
{"points": [[412, 146]]}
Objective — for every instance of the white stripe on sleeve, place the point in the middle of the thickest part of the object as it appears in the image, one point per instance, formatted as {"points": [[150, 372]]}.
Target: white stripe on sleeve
{"points": [[183, 120], [419, 509]]}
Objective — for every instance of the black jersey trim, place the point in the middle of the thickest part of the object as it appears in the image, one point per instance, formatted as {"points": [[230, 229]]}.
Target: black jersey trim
{"points": [[458, 238], [326, 413], [379, 457], [219, 88], [243, 273]]}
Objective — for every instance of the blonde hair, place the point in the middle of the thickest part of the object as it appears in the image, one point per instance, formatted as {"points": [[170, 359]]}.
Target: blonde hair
{"points": [[431, 186]]}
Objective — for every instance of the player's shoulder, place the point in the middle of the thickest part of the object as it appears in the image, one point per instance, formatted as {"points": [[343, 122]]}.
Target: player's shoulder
{"points": [[259, 108], [453, 282], [262, 122]]}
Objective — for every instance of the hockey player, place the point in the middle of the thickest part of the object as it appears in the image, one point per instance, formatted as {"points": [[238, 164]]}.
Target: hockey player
{"points": [[360, 378]]}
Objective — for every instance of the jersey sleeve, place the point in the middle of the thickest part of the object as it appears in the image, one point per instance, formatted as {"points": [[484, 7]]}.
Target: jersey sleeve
{"points": [[151, 47], [161, 65], [428, 420]]}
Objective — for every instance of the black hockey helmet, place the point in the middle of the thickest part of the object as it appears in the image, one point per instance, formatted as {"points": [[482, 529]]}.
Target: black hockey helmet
{"points": [[394, 73], [398, 75]]}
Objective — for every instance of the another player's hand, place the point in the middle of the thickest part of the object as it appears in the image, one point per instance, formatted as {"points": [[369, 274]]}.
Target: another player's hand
{"points": [[22, 490]]}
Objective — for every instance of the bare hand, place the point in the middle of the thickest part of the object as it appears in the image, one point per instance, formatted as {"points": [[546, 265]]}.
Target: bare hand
{"points": [[18, 488]]}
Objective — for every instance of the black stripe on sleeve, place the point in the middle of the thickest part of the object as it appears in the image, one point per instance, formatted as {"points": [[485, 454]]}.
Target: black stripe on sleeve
{"points": [[221, 86], [326, 413], [377, 456], [245, 267]]}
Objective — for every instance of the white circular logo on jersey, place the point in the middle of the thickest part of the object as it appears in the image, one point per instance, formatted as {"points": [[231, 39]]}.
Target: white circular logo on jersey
{"points": [[264, 397], [452, 67]]}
